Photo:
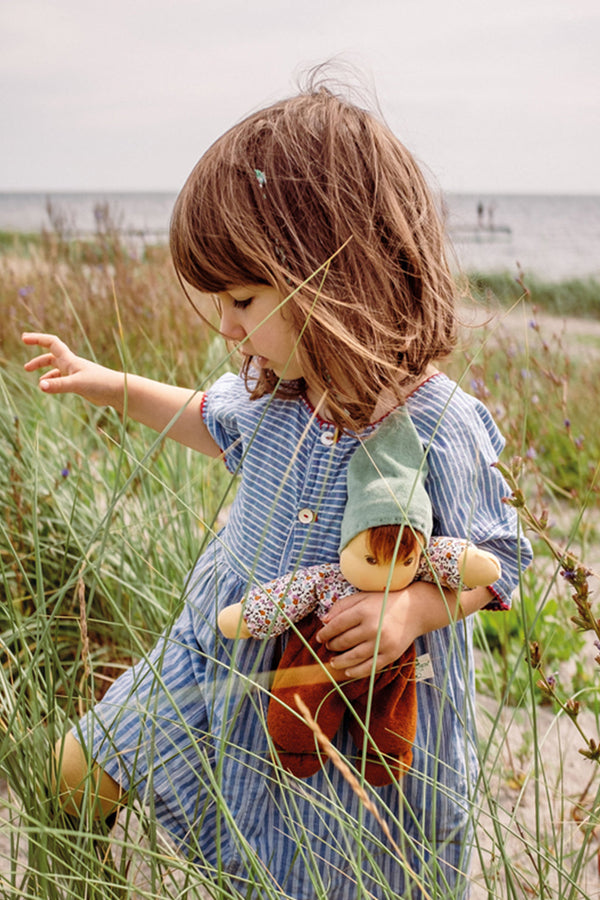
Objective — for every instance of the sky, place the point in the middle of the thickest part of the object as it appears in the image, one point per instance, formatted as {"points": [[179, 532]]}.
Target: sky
{"points": [[490, 95]]}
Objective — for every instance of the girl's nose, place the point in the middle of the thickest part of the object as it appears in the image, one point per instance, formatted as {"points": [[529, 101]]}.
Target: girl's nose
{"points": [[230, 327]]}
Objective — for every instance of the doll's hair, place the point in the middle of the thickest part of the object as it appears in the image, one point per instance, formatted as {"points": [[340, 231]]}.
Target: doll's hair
{"points": [[383, 544], [316, 197]]}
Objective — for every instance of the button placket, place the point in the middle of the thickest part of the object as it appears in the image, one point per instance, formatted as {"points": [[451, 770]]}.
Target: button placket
{"points": [[328, 439]]}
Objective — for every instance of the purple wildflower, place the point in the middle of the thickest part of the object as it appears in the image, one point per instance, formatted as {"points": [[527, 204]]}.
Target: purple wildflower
{"points": [[479, 387], [568, 574]]}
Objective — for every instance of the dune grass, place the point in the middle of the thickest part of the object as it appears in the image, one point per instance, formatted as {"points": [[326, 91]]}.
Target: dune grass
{"points": [[100, 522], [570, 297]]}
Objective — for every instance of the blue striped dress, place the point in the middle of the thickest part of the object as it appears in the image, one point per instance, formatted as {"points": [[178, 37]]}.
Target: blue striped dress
{"points": [[185, 727]]}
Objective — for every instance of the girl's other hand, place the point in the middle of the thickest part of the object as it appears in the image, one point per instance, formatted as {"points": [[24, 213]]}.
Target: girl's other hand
{"points": [[352, 627], [70, 373]]}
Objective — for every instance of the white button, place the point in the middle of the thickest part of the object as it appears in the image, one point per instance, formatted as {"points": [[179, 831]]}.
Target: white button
{"points": [[327, 438], [306, 516]]}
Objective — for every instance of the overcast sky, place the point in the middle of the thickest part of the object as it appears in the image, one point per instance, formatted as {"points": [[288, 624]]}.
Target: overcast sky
{"points": [[491, 95]]}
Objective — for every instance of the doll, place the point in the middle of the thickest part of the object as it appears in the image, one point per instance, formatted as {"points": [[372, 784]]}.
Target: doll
{"points": [[385, 544]]}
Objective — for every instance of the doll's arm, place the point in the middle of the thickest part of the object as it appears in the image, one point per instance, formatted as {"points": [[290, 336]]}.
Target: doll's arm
{"points": [[268, 610], [457, 564]]}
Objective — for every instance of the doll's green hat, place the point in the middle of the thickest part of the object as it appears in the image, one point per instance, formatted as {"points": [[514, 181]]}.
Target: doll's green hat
{"points": [[386, 481]]}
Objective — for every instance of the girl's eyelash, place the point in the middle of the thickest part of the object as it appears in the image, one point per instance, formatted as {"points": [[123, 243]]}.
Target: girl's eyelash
{"points": [[242, 304]]}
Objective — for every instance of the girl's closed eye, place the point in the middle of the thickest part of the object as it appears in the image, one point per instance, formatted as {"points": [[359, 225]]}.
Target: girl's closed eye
{"points": [[242, 304]]}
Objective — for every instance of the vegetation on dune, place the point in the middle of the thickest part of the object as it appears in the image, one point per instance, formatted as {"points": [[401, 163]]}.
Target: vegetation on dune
{"points": [[100, 521], [578, 297]]}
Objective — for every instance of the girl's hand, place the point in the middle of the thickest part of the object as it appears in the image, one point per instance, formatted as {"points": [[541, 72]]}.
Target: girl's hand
{"points": [[354, 623], [72, 374], [163, 407]]}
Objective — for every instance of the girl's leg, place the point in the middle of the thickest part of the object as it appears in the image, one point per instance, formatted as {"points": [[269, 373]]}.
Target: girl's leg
{"points": [[77, 782], [149, 736]]}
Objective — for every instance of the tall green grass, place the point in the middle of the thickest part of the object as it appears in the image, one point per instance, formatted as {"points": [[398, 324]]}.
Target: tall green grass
{"points": [[578, 297], [100, 522], [99, 527]]}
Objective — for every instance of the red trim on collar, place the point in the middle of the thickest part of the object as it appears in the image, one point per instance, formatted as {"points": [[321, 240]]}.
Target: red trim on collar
{"points": [[423, 383], [325, 422]]}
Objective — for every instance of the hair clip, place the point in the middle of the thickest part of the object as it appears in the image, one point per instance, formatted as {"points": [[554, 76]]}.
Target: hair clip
{"points": [[261, 178]]}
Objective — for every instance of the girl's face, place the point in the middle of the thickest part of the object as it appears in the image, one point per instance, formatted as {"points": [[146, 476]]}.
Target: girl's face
{"points": [[252, 316]]}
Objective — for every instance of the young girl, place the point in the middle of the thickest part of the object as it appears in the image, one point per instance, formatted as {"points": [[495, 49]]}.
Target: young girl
{"points": [[314, 228]]}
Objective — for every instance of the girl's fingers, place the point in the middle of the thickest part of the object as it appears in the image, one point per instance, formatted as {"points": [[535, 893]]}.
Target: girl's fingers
{"points": [[363, 670], [344, 605], [40, 362], [33, 338], [350, 655], [54, 383], [50, 342], [52, 376], [59, 359], [338, 624], [358, 662], [348, 639]]}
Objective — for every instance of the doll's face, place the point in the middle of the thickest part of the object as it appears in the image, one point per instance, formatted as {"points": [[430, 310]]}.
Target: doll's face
{"points": [[362, 570]]}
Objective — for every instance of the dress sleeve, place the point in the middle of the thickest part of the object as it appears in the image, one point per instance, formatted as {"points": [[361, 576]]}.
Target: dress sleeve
{"points": [[221, 411], [467, 491]]}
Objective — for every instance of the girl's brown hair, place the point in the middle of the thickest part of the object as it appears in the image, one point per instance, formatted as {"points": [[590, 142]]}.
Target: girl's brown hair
{"points": [[316, 197]]}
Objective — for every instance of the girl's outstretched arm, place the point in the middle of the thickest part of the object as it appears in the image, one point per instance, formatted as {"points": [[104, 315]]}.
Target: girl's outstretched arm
{"points": [[149, 402], [351, 627]]}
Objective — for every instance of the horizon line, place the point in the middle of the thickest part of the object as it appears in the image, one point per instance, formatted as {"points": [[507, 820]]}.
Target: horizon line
{"points": [[484, 192]]}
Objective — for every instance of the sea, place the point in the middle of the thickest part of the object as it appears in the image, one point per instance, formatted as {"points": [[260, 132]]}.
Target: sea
{"points": [[553, 237]]}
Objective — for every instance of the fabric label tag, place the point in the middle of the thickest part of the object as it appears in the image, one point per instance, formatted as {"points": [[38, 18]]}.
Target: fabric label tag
{"points": [[423, 667]]}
